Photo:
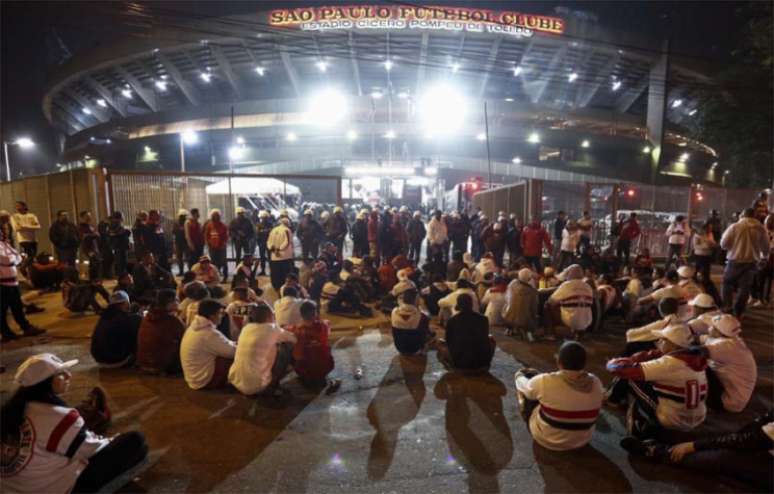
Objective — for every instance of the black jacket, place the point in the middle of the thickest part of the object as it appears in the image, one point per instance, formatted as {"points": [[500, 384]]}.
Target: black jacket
{"points": [[115, 336], [64, 236], [467, 337]]}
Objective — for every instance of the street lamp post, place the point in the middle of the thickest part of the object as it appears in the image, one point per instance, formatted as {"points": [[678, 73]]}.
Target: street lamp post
{"points": [[22, 142]]}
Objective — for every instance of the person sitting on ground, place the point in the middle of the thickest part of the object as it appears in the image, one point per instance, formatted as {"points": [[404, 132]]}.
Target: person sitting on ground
{"points": [[549, 279], [494, 301], [608, 294], [410, 326], [455, 266], [352, 276], [287, 309], [159, 336], [520, 312], [434, 292], [247, 269], [188, 277], [78, 296], [264, 353], [46, 273], [744, 455], [318, 279], [643, 263], [668, 385], [732, 371], [205, 353], [561, 407], [571, 303], [468, 345], [632, 292], [114, 340], [125, 283], [448, 304], [342, 299], [671, 289], [687, 283], [704, 310], [238, 310], [196, 294], [291, 281], [388, 276], [390, 301], [149, 277], [206, 272], [643, 338], [486, 266], [312, 358], [52, 447]]}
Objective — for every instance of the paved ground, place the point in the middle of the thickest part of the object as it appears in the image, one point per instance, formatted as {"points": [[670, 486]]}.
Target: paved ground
{"points": [[406, 426]]}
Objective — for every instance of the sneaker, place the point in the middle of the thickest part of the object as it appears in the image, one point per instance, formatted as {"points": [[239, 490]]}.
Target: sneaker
{"points": [[33, 331], [333, 386], [650, 448]]}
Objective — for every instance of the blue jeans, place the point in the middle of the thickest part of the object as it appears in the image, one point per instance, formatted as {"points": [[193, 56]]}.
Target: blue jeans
{"points": [[737, 276]]}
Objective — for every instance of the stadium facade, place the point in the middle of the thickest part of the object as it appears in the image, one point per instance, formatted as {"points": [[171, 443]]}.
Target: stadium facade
{"points": [[375, 93]]}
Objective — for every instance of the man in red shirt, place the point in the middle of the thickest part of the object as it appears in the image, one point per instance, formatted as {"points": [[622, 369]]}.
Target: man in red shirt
{"points": [[312, 359], [216, 238], [194, 238], [630, 230], [533, 238]]}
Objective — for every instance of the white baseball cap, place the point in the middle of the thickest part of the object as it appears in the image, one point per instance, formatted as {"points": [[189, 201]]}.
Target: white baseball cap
{"points": [[182, 212], [703, 301], [525, 275], [40, 367], [727, 325], [685, 272], [679, 334]]}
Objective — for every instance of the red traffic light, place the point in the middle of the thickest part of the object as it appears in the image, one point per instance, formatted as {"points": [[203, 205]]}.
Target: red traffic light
{"points": [[630, 193]]}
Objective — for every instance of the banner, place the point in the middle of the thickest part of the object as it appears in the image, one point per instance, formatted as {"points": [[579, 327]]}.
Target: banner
{"points": [[407, 17]]}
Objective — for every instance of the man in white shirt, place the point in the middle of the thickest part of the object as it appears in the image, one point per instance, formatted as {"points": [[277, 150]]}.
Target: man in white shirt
{"points": [[732, 370], [668, 386], [206, 272], [10, 294], [437, 236], [747, 245], [288, 309], [671, 290], [573, 299], [26, 226], [678, 233], [561, 407], [448, 304], [280, 244], [237, 311], [690, 288], [264, 354], [570, 238], [205, 353]]}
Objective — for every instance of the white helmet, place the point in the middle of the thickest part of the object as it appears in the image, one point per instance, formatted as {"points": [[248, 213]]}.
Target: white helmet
{"points": [[325, 215], [338, 209], [403, 209], [263, 214]]}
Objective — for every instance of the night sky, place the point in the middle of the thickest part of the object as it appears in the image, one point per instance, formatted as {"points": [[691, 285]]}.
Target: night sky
{"points": [[38, 36]]}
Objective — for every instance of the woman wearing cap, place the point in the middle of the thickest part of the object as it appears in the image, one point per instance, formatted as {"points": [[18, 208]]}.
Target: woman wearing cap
{"points": [[47, 446]]}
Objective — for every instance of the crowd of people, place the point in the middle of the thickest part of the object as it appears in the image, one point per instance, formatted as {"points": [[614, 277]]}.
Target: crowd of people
{"points": [[683, 354]]}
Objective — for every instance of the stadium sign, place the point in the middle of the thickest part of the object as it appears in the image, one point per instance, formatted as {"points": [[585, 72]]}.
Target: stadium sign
{"points": [[409, 17]]}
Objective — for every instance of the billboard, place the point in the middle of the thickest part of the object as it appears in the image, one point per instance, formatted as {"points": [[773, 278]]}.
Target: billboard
{"points": [[414, 17]]}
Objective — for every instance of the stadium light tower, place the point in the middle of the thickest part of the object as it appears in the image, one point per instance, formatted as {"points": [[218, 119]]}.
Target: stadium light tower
{"points": [[188, 137], [24, 143]]}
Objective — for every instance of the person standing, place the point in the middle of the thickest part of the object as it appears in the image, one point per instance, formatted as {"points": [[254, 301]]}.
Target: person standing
{"points": [[262, 230], [64, 237], [716, 226], [309, 233], [747, 246], [677, 235], [336, 229], [585, 225], [416, 234], [359, 235], [181, 245], [194, 238], [154, 240], [26, 226], [569, 244], [630, 230], [704, 244], [241, 231], [89, 244], [138, 234], [216, 238], [6, 227], [533, 238], [373, 234], [119, 242], [558, 228], [280, 245], [108, 260], [437, 236], [10, 294]]}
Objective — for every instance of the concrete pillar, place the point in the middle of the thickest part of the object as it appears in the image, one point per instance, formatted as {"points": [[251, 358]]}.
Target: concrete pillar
{"points": [[658, 91]]}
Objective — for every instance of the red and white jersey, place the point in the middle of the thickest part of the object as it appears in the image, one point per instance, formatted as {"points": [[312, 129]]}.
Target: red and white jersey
{"points": [[9, 259], [575, 298], [608, 296], [701, 325], [53, 451], [676, 292], [690, 288], [569, 406], [681, 392], [238, 311], [735, 367], [645, 333]]}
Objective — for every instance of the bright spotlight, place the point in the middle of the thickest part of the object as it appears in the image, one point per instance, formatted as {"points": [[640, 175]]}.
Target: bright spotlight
{"points": [[127, 93], [25, 143], [516, 160], [692, 112], [616, 85], [585, 143], [684, 157], [327, 108], [322, 66], [86, 111], [376, 95], [677, 103], [533, 138], [388, 65], [236, 152], [509, 100], [240, 140], [572, 77], [190, 137], [481, 136], [161, 85], [517, 71], [291, 137], [646, 150], [390, 134], [206, 77], [351, 135], [442, 109], [260, 70], [101, 102]]}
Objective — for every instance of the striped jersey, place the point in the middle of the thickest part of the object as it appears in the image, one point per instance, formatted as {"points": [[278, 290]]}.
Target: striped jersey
{"points": [[575, 298], [681, 392]]}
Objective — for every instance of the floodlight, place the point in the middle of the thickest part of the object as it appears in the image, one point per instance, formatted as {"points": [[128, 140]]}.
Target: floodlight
{"points": [[442, 109], [25, 143], [190, 137], [533, 138], [327, 108]]}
